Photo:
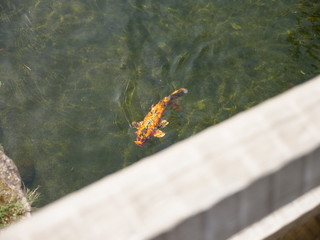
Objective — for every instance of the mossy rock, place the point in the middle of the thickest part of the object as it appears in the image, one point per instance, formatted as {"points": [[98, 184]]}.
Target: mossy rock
{"points": [[13, 202], [11, 207]]}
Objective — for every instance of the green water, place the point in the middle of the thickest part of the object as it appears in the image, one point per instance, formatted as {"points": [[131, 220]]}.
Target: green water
{"points": [[74, 74]]}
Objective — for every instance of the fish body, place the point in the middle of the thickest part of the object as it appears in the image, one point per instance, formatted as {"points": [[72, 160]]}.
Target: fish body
{"points": [[151, 124]]}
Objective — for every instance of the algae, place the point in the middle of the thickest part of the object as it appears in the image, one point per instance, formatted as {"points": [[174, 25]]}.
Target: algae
{"points": [[75, 74]]}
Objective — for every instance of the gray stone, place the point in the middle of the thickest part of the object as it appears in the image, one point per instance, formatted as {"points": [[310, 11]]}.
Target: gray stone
{"points": [[10, 185]]}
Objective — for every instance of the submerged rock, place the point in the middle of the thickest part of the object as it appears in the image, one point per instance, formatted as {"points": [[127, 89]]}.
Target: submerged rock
{"points": [[13, 202]]}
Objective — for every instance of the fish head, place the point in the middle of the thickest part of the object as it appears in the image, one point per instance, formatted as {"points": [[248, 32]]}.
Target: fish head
{"points": [[139, 143]]}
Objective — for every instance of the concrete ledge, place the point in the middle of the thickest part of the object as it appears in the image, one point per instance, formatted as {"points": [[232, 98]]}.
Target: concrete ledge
{"points": [[222, 180]]}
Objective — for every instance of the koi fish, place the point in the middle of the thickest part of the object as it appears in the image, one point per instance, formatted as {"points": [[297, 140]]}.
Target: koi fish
{"points": [[151, 124]]}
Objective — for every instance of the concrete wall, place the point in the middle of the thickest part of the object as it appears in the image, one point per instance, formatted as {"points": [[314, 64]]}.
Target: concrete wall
{"points": [[222, 180], [299, 219]]}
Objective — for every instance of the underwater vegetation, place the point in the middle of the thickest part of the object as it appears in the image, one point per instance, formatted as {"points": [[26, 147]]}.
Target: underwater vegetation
{"points": [[75, 74]]}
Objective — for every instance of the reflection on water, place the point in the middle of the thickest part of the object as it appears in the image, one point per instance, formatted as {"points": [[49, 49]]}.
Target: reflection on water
{"points": [[75, 74]]}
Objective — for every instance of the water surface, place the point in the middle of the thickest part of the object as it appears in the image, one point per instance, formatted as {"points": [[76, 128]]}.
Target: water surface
{"points": [[75, 74]]}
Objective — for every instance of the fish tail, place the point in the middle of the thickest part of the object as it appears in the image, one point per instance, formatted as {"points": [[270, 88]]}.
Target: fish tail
{"points": [[178, 93]]}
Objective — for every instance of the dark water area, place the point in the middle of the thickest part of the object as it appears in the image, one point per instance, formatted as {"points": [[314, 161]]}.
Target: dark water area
{"points": [[75, 74]]}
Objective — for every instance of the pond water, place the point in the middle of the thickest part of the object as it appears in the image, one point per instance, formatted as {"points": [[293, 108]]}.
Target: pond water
{"points": [[74, 75]]}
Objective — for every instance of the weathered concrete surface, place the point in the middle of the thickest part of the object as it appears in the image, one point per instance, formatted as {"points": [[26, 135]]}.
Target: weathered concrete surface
{"points": [[222, 180], [10, 184]]}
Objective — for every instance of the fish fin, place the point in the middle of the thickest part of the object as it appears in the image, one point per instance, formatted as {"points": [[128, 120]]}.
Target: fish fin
{"points": [[136, 124], [178, 93], [163, 123], [175, 106], [158, 133]]}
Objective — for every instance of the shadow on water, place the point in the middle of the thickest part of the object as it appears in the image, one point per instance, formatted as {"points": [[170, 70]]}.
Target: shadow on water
{"points": [[75, 74]]}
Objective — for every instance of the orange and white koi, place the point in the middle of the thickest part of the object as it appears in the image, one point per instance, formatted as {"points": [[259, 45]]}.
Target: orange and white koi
{"points": [[151, 124]]}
